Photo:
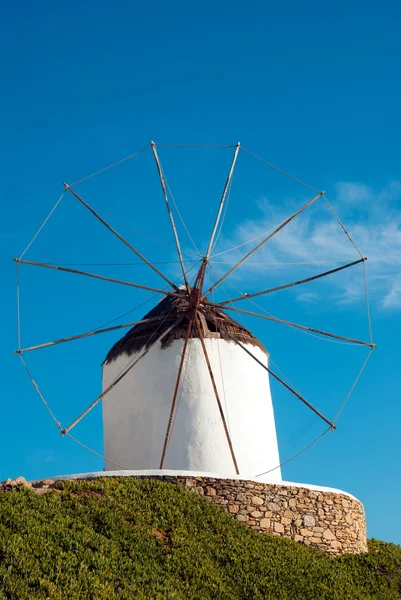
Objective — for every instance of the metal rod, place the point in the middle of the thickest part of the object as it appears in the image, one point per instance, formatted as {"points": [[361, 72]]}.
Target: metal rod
{"points": [[308, 404], [266, 239], [223, 197], [283, 287], [118, 379], [18, 307], [216, 393], [297, 326], [170, 214], [120, 237], [83, 335], [177, 385], [75, 272]]}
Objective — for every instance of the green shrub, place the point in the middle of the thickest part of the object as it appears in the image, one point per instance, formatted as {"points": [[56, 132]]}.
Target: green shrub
{"points": [[142, 539]]}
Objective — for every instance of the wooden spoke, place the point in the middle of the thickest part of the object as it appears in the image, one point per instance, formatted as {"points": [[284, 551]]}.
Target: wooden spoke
{"points": [[288, 285], [120, 377], [289, 388], [120, 237], [177, 386], [303, 327], [216, 393], [101, 277], [266, 239], [223, 197], [84, 335], [170, 214]]}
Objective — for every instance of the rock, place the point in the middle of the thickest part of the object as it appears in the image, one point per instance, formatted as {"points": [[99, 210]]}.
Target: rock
{"points": [[329, 535], [278, 528], [273, 507], [298, 538], [265, 523], [210, 491], [256, 514], [306, 533], [336, 545], [234, 508], [309, 521], [256, 501], [286, 521], [18, 481], [242, 518]]}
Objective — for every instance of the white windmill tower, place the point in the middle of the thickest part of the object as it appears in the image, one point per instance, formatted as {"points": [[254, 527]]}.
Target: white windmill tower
{"points": [[215, 416], [187, 387]]}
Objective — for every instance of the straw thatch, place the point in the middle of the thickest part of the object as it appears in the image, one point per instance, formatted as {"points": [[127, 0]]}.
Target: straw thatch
{"points": [[165, 314]]}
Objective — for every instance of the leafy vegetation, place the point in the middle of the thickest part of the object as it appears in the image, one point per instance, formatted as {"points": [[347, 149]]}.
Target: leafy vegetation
{"points": [[128, 538]]}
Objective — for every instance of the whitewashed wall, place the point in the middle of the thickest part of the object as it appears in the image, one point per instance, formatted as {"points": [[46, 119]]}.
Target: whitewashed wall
{"points": [[136, 411]]}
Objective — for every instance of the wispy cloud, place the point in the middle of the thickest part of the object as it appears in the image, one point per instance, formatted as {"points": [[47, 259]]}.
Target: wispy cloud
{"points": [[373, 218]]}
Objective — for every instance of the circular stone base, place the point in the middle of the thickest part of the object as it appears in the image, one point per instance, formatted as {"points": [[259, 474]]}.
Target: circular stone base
{"points": [[326, 518]]}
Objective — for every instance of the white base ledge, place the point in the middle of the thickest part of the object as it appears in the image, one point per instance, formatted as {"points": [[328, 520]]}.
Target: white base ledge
{"points": [[173, 473]]}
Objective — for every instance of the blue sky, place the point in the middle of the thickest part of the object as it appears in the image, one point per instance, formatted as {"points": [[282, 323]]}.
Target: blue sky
{"points": [[312, 88]]}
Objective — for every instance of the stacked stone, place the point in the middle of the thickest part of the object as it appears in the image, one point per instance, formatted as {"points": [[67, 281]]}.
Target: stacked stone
{"points": [[333, 522], [330, 521]]}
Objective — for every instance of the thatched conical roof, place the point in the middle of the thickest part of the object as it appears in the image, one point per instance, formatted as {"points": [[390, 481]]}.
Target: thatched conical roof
{"points": [[165, 314]]}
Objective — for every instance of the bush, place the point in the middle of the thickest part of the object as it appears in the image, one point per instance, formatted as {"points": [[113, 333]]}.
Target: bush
{"points": [[128, 538]]}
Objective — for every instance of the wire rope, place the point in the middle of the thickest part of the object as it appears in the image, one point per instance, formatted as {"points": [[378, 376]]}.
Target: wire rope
{"points": [[179, 214], [118, 162], [243, 243], [342, 225], [136, 264], [40, 394], [198, 145], [43, 224], [353, 385], [367, 302], [280, 264], [18, 307], [94, 452], [296, 455], [279, 170]]}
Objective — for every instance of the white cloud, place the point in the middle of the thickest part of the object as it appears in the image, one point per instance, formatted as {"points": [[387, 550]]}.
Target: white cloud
{"points": [[310, 297], [373, 219]]}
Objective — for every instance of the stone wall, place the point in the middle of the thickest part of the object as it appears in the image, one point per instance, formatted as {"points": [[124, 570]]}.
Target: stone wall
{"points": [[331, 521]]}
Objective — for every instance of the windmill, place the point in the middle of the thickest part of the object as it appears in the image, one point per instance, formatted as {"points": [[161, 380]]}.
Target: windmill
{"points": [[180, 386]]}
